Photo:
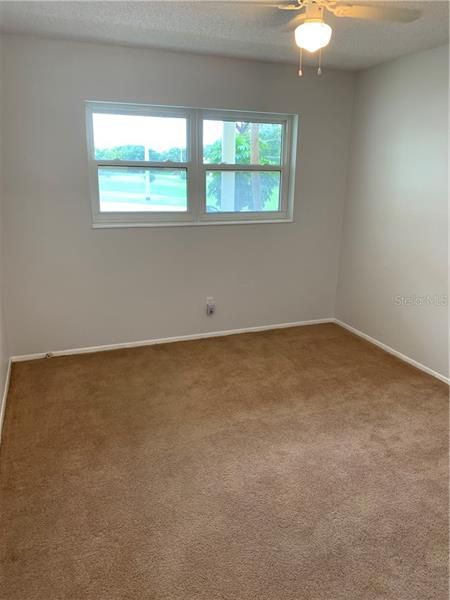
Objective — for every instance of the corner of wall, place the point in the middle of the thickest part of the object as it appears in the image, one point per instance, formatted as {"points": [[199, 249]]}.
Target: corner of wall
{"points": [[5, 362], [348, 150]]}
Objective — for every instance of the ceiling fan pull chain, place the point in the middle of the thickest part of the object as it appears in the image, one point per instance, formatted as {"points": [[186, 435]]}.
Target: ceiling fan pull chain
{"points": [[319, 70], [300, 69]]}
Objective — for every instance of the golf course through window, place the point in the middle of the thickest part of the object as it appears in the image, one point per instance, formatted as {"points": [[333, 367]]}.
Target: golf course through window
{"points": [[158, 165]]}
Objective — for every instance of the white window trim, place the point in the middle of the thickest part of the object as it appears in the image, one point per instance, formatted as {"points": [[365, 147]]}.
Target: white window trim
{"points": [[195, 169]]}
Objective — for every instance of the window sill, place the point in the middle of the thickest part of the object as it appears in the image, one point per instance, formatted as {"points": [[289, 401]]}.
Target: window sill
{"points": [[122, 225]]}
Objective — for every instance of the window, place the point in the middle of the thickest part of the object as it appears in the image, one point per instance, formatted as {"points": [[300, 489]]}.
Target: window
{"points": [[152, 165]]}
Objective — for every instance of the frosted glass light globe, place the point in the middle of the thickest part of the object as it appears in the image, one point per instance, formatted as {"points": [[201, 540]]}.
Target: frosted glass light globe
{"points": [[313, 35]]}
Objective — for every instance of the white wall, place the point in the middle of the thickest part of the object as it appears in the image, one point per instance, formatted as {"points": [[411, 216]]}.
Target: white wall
{"points": [[396, 214], [4, 352], [71, 286]]}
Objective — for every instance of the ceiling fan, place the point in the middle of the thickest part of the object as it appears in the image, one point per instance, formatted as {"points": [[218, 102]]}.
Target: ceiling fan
{"points": [[311, 31]]}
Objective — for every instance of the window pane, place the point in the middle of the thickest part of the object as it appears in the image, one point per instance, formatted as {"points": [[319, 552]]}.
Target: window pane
{"points": [[242, 191], [243, 143], [133, 189], [134, 137]]}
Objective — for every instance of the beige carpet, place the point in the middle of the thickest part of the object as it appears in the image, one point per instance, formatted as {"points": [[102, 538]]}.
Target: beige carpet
{"points": [[299, 464]]}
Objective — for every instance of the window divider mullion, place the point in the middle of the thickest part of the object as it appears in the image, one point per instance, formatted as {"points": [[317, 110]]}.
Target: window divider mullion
{"points": [[195, 141], [201, 170], [243, 167], [141, 164]]}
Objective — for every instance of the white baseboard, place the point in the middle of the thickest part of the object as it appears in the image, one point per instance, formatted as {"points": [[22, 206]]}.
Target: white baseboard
{"points": [[225, 332], [390, 350], [168, 340], [4, 396], [210, 334]]}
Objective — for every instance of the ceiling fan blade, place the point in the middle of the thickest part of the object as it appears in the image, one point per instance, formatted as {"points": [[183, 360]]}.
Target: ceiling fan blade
{"points": [[295, 22], [290, 7], [271, 3], [376, 13]]}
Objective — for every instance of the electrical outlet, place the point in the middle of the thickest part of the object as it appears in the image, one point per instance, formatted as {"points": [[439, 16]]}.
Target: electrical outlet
{"points": [[210, 306]]}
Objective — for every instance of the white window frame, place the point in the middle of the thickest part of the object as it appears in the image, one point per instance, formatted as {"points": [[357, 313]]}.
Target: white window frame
{"points": [[195, 168]]}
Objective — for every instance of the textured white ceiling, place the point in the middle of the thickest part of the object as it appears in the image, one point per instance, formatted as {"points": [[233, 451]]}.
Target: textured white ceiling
{"points": [[225, 28]]}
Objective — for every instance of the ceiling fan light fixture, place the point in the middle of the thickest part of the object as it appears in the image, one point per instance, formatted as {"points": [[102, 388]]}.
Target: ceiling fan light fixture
{"points": [[312, 35]]}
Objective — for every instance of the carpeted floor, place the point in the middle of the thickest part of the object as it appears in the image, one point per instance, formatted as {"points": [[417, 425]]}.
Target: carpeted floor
{"points": [[298, 464]]}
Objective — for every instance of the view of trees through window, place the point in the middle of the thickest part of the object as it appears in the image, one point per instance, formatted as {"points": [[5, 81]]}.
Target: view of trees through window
{"points": [[242, 143], [129, 138], [159, 139]]}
